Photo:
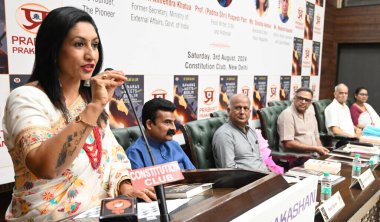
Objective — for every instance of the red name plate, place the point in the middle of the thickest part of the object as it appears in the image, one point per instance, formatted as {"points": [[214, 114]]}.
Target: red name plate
{"points": [[155, 175]]}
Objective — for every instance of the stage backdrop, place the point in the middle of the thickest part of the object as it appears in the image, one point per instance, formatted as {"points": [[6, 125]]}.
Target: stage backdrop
{"points": [[195, 53]]}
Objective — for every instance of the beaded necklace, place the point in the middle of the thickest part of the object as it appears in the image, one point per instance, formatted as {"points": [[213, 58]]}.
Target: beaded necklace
{"points": [[94, 148]]}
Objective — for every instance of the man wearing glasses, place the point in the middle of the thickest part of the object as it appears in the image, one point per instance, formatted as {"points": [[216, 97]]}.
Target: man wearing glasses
{"points": [[297, 126], [338, 117], [235, 144]]}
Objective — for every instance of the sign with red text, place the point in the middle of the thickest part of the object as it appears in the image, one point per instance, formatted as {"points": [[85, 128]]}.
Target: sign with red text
{"points": [[155, 175]]}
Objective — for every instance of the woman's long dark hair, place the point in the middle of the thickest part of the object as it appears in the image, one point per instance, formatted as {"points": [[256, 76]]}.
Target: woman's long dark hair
{"points": [[49, 41]]}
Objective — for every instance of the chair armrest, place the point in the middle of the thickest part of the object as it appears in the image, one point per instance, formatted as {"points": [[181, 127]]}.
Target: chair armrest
{"points": [[290, 155]]}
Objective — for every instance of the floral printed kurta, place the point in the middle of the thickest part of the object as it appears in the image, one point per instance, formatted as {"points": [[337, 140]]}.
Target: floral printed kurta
{"points": [[29, 119]]}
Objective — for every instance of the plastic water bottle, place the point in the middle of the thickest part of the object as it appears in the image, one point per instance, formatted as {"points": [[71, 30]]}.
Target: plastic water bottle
{"points": [[356, 166], [326, 187]]}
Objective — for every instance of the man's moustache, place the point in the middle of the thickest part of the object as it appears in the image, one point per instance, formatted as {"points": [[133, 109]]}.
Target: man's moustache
{"points": [[170, 132]]}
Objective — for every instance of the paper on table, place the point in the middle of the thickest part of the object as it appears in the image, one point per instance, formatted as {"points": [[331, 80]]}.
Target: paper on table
{"points": [[151, 211]]}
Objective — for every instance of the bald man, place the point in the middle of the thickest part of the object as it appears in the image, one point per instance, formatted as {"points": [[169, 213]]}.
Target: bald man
{"points": [[337, 115], [235, 144]]}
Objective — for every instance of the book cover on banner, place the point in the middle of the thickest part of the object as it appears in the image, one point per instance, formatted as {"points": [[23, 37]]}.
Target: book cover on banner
{"points": [[185, 98], [309, 20], [17, 80], [285, 87], [259, 94], [3, 41], [305, 82], [121, 114], [186, 190], [315, 59], [297, 56], [228, 87]]}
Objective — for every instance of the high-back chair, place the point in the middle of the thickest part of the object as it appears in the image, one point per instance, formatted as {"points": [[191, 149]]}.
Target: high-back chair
{"points": [[268, 119], [126, 136], [220, 113], [319, 108], [283, 103], [198, 137], [327, 140]]}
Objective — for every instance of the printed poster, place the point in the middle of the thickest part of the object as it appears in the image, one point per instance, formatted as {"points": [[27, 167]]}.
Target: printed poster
{"points": [[297, 56], [285, 87], [259, 94], [228, 87], [185, 98], [121, 113]]}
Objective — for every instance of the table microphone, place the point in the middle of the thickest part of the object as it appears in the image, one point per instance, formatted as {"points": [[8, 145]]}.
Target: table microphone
{"points": [[164, 215]]}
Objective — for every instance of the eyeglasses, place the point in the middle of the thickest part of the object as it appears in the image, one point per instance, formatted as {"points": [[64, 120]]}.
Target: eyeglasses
{"points": [[363, 94], [238, 108], [303, 99]]}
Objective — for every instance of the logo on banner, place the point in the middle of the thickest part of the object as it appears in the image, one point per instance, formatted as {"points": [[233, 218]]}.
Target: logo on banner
{"points": [[209, 96], [29, 16], [295, 87], [273, 91], [159, 93], [245, 90], [307, 53], [318, 20], [17, 80], [300, 14]]}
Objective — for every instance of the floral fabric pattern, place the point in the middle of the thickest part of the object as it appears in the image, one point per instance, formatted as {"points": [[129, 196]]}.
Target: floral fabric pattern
{"points": [[29, 120]]}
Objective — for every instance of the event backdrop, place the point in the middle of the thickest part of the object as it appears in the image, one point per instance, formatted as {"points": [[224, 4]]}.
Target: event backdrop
{"points": [[195, 53]]}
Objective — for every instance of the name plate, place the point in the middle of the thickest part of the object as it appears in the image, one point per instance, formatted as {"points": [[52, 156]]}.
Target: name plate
{"points": [[155, 175], [366, 178], [331, 206]]}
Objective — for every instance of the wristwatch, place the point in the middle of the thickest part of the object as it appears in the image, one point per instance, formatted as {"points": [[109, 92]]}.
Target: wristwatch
{"points": [[79, 119]]}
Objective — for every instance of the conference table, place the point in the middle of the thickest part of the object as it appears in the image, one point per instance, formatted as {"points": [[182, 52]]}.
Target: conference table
{"points": [[234, 198], [237, 191]]}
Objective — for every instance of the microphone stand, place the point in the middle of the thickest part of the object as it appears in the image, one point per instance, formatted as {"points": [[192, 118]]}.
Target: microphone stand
{"points": [[164, 215]]}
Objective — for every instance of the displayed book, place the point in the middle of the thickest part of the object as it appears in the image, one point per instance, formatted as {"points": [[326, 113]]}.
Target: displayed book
{"points": [[362, 148], [340, 158], [348, 155], [121, 208], [186, 190], [302, 173], [323, 166], [370, 139]]}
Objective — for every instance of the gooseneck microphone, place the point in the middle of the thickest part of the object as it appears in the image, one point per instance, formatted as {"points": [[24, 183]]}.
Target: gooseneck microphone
{"points": [[164, 215]]}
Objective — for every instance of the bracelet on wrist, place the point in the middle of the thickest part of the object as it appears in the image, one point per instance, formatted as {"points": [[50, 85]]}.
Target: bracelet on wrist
{"points": [[79, 119]]}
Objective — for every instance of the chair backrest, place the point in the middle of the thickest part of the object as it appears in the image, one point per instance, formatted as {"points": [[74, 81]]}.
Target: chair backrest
{"points": [[284, 103], [268, 119], [220, 113], [319, 108], [126, 136], [198, 137]]}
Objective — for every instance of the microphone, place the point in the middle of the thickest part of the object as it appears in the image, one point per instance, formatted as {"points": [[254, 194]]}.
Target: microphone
{"points": [[87, 82], [164, 215]]}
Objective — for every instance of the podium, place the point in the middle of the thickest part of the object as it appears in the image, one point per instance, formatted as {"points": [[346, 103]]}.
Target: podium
{"points": [[234, 192]]}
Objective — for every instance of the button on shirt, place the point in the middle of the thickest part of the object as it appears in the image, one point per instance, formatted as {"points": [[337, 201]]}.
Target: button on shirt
{"points": [[300, 127], [339, 115], [233, 148], [163, 153]]}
